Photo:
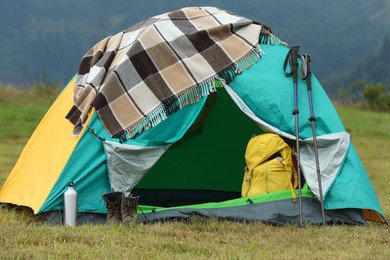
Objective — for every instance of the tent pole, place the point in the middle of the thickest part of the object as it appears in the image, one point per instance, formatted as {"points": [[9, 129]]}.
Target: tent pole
{"points": [[312, 119], [292, 60]]}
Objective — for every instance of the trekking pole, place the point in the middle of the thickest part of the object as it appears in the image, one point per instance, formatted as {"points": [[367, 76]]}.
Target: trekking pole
{"points": [[292, 60], [312, 119]]}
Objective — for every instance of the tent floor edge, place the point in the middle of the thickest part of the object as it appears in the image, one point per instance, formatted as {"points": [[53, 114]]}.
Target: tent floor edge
{"points": [[278, 212], [281, 212]]}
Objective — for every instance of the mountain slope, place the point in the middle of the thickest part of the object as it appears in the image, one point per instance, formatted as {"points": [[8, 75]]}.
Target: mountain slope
{"points": [[373, 69]]}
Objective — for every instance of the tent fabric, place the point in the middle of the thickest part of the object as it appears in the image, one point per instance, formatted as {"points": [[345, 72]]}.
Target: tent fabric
{"points": [[89, 171], [332, 150], [266, 91], [146, 138], [278, 212], [128, 164], [273, 208], [265, 88], [138, 77], [352, 188], [87, 168]]}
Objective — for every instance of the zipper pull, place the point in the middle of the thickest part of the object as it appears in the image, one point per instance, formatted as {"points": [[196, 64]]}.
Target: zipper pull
{"points": [[248, 177]]}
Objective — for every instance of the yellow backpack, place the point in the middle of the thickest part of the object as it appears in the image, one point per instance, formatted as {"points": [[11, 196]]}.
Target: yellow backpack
{"points": [[269, 166]]}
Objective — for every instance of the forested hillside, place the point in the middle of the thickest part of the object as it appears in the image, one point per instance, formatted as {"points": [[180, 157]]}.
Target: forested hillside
{"points": [[45, 40], [372, 69]]}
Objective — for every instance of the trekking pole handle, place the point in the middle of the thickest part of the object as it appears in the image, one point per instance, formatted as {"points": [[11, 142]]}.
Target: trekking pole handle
{"points": [[308, 71], [307, 59], [290, 65], [294, 58]]}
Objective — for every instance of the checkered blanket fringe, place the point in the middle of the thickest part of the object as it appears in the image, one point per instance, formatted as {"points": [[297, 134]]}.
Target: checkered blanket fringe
{"points": [[137, 78], [172, 105]]}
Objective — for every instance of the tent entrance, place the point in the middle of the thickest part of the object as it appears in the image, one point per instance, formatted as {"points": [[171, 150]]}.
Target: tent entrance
{"points": [[190, 171]]}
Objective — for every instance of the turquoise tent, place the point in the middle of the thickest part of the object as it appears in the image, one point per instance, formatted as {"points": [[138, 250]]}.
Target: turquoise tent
{"points": [[191, 163]]}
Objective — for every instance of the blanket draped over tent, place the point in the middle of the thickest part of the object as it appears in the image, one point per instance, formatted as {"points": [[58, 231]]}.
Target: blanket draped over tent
{"points": [[138, 77]]}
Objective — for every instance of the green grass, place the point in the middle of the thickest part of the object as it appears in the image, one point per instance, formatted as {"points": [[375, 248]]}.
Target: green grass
{"points": [[370, 134], [21, 235], [20, 112]]}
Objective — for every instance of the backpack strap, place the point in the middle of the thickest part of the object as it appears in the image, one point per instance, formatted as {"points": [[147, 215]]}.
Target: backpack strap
{"points": [[293, 195]]}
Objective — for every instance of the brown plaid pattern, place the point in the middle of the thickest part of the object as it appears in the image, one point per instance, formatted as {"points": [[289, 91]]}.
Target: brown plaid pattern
{"points": [[137, 77]]}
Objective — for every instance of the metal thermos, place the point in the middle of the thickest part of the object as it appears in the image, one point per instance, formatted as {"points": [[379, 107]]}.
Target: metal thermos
{"points": [[70, 205]]}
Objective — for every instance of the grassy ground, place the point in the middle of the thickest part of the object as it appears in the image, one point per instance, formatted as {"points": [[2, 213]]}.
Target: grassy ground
{"points": [[21, 237], [20, 112]]}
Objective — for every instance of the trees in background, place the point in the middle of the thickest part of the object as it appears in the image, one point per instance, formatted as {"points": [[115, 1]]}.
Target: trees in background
{"points": [[371, 96]]}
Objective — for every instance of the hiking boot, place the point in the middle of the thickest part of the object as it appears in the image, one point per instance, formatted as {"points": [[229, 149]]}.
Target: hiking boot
{"points": [[113, 205], [129, 209]]}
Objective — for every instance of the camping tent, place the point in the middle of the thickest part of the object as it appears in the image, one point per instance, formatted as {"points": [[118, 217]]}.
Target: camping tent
{"points": [[190, 161]]}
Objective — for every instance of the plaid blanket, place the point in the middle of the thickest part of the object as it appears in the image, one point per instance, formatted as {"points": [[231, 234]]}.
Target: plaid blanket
{"points": [[138, 77]]}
